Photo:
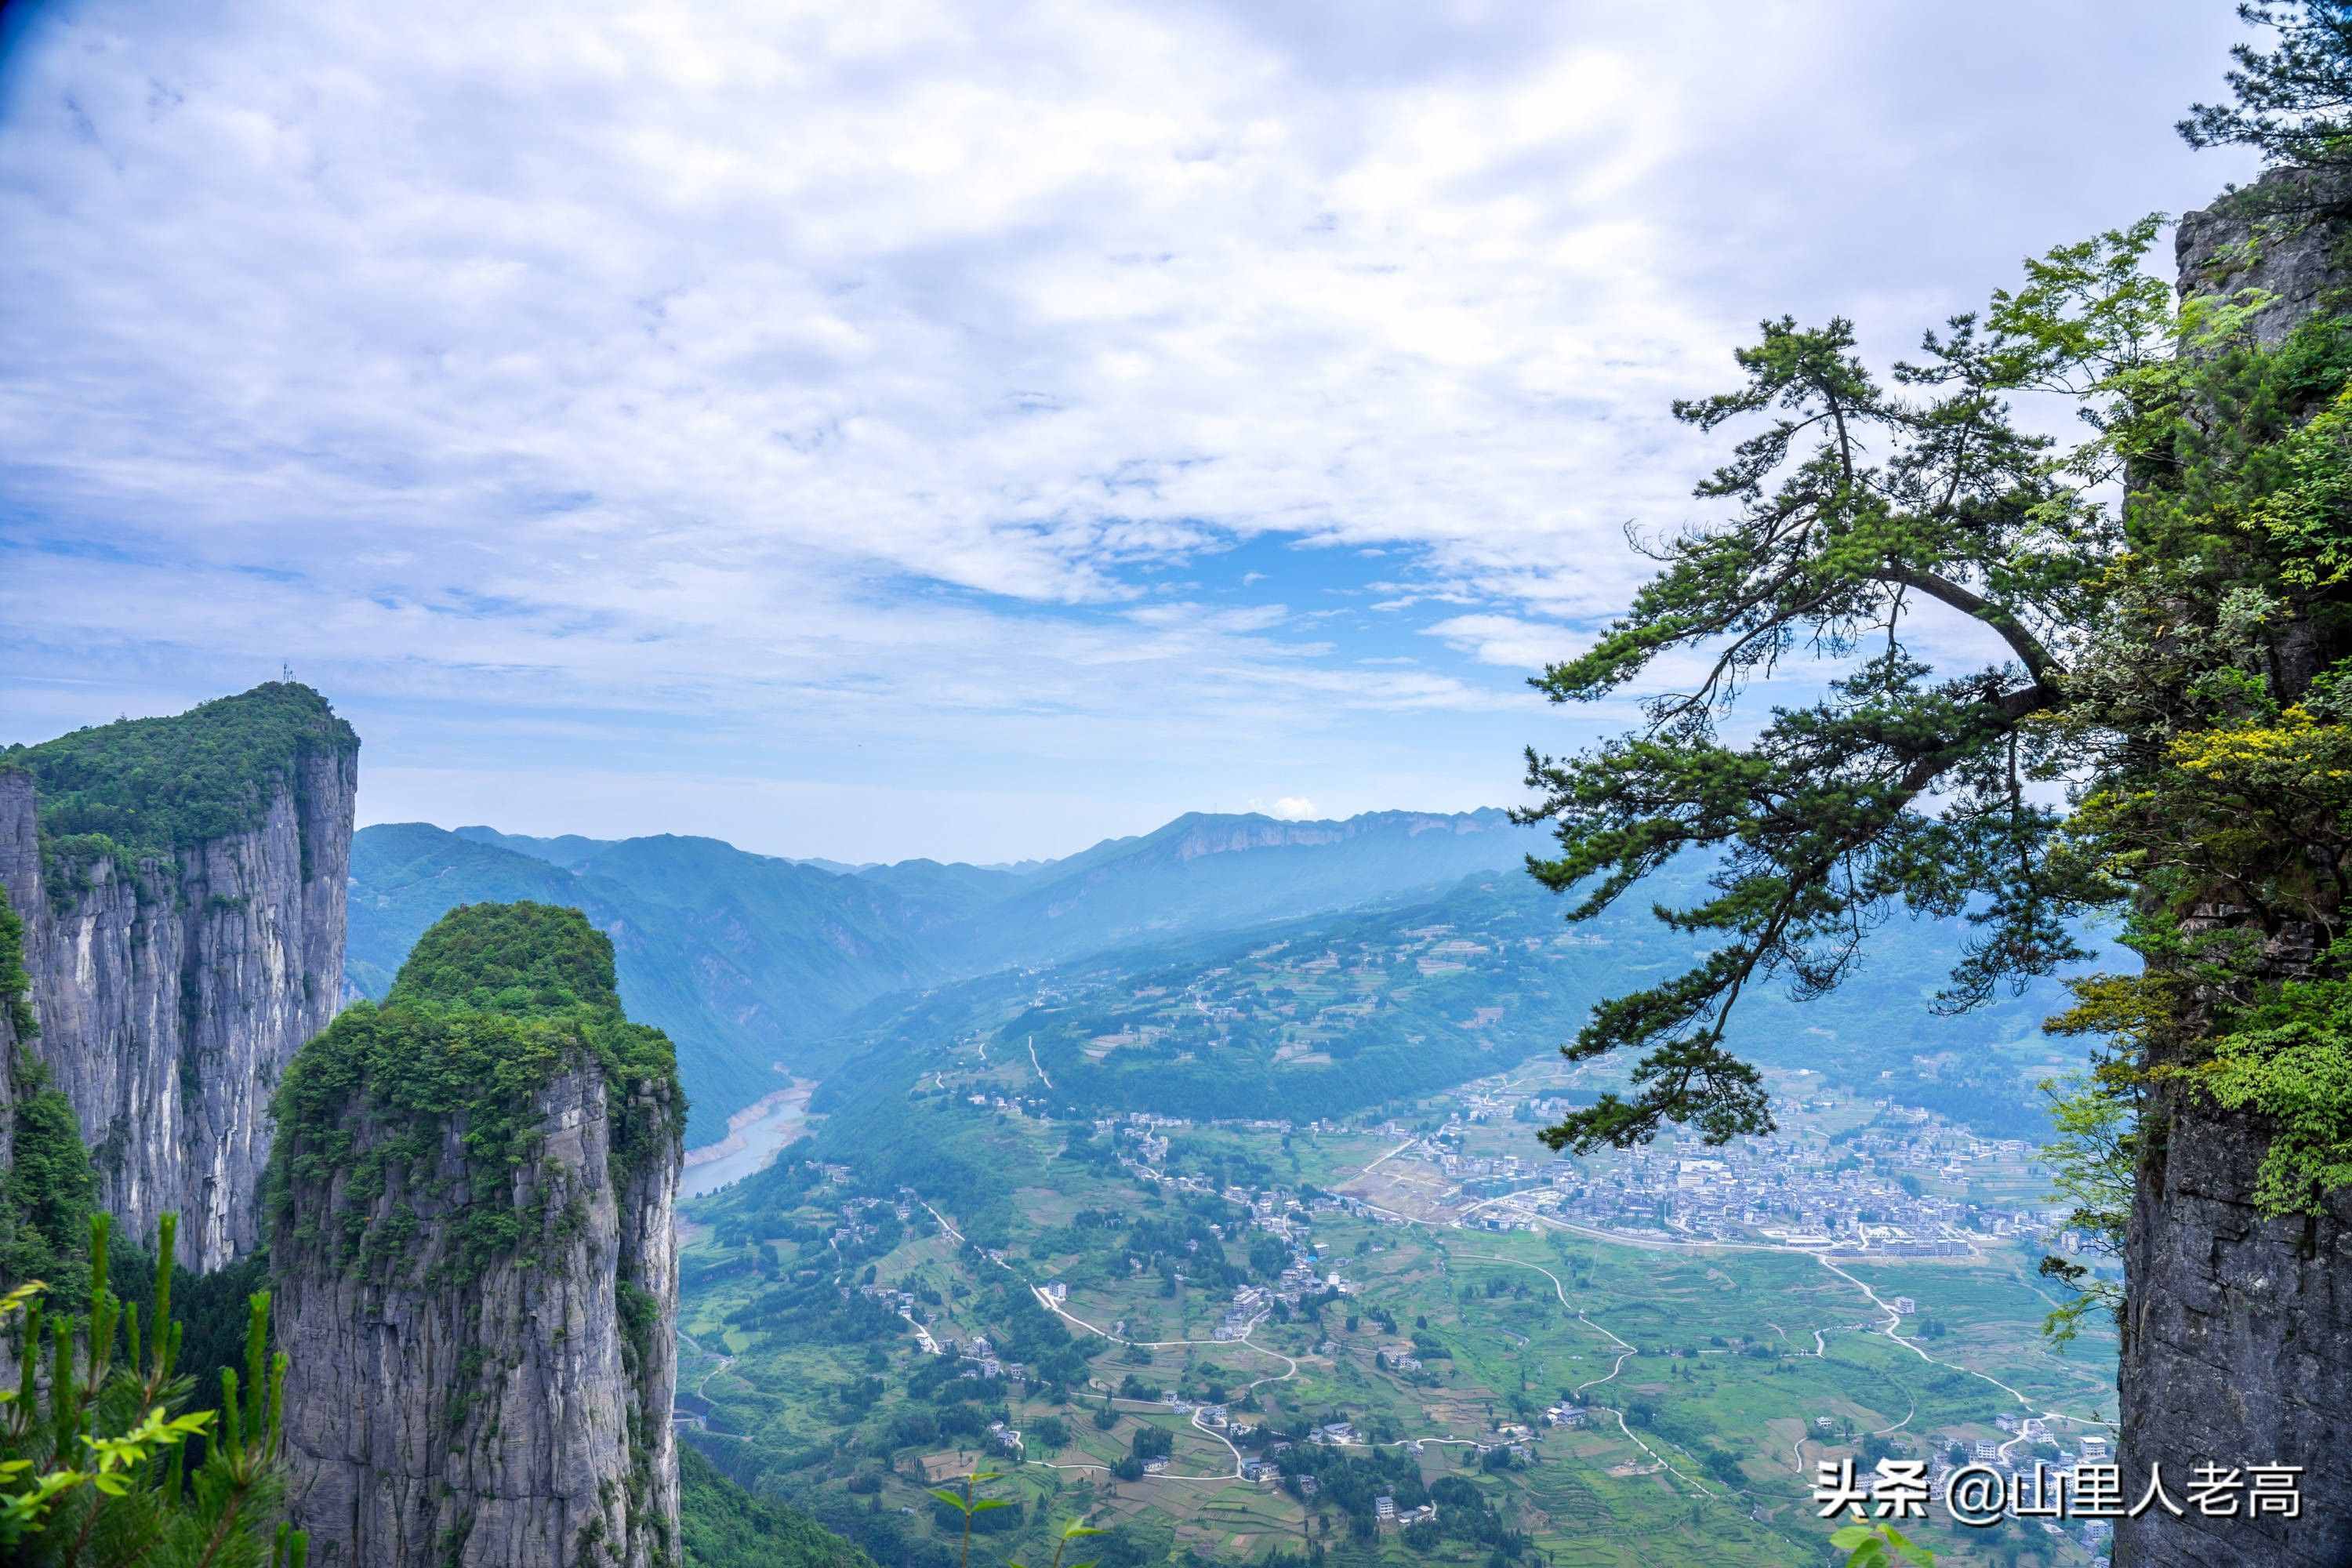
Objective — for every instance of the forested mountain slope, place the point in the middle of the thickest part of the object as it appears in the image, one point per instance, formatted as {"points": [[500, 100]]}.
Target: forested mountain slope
{"points": [[751, 962], [742, 960]]}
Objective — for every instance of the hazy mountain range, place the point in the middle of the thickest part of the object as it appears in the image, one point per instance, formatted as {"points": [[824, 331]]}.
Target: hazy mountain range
{"points": [[752, 962]]}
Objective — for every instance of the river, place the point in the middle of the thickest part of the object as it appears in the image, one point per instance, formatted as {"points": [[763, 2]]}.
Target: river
{"points": [[754, 1136]]}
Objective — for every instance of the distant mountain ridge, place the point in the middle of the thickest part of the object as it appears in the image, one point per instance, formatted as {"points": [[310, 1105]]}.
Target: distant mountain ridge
{"points": [[1326, 1014], [749, 961], [1205, 872], [568, 850]]}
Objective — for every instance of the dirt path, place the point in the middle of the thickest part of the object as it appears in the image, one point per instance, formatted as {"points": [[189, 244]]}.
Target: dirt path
{"points": [[702, 1384], [1894, 1318], [1567, 1305], [1290, 1366]]}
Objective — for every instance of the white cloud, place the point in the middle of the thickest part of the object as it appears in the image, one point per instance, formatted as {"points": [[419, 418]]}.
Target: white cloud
{"points": [[756, 383], [1506, 640], [1293, 808]]}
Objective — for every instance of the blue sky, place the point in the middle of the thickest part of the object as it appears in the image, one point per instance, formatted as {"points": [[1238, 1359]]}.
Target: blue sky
{"points": [[954, 429]]}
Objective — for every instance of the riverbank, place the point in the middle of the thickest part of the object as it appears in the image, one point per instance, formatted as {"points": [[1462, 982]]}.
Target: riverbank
{"points": [[754, 1135]]}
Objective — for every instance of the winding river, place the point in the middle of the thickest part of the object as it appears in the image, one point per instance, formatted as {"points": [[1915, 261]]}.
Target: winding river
{"points": [[754, 1135]]}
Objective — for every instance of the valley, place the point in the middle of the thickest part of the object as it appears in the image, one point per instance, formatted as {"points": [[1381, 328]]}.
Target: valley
{"points": [[762, 967], [1235, 1338], [1188, 1186], [754, 1135], [1201, 786], [1190, 1182]]}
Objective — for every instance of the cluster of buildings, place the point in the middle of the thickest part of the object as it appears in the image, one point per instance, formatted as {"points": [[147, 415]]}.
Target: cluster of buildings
{"points": [[1384, 1509], [980, 1358], [1862, 1195]]}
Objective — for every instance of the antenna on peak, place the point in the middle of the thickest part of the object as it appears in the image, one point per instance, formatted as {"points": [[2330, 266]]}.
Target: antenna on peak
{"points": [[285, 671]]}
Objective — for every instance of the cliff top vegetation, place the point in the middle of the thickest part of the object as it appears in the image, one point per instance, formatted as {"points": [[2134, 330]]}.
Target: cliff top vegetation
{"points": [[146, 787], [496, 1003], [524, 959]]}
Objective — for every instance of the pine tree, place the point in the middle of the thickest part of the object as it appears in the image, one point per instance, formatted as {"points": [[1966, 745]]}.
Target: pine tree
{"points": [[2293, 103], [2160, 723], [93, 1439]]}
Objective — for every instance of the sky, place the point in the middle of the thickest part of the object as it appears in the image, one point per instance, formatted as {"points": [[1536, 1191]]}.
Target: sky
{"points": [[963, 430]]}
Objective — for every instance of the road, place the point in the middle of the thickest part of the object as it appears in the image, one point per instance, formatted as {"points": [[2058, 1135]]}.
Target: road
{"points": [[1820, 1345], [1566, 1305], [1290, 1366], [702, 1384], [1894, 1318]]}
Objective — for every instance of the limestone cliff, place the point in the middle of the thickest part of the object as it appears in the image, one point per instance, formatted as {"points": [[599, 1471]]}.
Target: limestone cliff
{"points": [[182, 885], [473, 1261], [2238, 1346]]}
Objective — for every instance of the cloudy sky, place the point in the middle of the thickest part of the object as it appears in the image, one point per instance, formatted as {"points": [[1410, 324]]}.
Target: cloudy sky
{"points": [[881, 429]]}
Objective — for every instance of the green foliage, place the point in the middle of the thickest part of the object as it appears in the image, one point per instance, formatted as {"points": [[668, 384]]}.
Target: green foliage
{"points": [[1062, 1539], [499, 1001], [2294, 102], [522, 959], [16, 985], [2091, 1160], [2177, 663], [46, 1192], [2289, 1057], [1879, 1544], [149, 788], [1851, 506], [93, 1465], [969, 1505], [723, 1526]]}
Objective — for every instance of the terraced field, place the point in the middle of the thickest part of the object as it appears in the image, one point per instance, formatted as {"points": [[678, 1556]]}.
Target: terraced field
{"points": [[1708, 1381]]}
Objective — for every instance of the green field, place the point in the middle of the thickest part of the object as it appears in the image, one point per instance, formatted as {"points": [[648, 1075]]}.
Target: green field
{"points": [[1698, 1444]]}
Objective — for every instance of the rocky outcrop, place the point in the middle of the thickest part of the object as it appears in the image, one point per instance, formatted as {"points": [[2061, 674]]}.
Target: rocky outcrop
{"points": [[2281, 235], [2238, 1350], [2237, 1346], [476, 1276], [172, 987]]}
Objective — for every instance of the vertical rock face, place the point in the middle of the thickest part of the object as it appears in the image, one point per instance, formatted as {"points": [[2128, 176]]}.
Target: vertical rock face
{"points": [[2238, 1349], [177, 969], [474, 1266]]}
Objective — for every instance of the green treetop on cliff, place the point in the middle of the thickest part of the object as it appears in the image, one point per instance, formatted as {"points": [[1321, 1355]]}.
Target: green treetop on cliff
{"points": [[142, 788], [496, 1003], [525, 959]]}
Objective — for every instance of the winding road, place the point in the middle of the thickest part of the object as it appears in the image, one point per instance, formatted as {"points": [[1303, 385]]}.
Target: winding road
{"points": [[702, 1386], [1629, 1351], [1625, 1349], [1894, 1318]]}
